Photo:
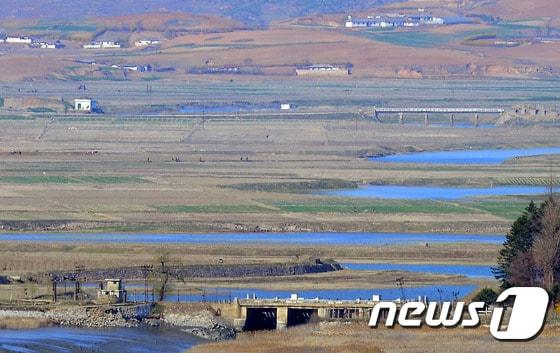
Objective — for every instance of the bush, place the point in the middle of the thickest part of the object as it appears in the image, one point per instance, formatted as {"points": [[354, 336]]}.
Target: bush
{"points": [[486, 295], [555, 294]]}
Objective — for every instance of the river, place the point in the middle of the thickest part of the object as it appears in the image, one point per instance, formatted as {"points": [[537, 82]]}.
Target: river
{"points": [[311, 238], [486, 156], [434, 192], [114, 340]]}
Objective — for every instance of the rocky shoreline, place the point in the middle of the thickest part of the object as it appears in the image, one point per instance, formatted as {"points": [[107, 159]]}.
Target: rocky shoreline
{"points": [[212, 271], [196, 320]]}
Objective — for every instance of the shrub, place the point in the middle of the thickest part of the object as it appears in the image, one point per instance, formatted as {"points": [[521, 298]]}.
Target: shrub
{"points": [[486, 295]]}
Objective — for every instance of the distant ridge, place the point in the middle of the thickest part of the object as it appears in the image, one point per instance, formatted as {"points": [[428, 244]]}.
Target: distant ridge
{"points": [[259, 12]]}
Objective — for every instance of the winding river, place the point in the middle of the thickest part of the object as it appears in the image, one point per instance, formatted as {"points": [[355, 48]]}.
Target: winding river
{"points": [[312, 238], [114, 340], [486, 156], [398, 192]]}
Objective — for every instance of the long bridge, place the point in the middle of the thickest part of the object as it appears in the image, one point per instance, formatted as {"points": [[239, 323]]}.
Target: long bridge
{"points": [[270, 314], [401, 111]]}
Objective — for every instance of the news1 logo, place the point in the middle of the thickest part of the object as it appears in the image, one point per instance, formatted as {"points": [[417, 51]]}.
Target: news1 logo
{"points": [[525, 322]]}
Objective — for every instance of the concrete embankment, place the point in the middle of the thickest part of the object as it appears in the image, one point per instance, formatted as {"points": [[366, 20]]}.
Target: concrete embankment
{"points": [[199, 320], [214, 271], [84, 316]]}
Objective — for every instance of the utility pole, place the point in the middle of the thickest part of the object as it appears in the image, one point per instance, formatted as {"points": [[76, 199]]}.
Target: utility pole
{"points": [[77, 272], [400, 284], [146, 269], [53, 283]]}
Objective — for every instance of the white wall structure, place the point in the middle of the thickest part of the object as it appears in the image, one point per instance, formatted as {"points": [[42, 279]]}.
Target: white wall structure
{"points": [[84, 104], [146, 42], [102, 45], [18, 40]]}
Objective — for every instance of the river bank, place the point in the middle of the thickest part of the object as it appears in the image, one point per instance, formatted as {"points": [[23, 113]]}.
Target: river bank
{"points": [[199, 320]]}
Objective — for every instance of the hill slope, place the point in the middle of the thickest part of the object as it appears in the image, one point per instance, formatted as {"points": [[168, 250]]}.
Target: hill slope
{"points": [[248, 11]]}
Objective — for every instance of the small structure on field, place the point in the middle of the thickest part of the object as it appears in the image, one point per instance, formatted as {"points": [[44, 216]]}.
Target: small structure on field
{"points": [[84, 105], [102, 45], [322, 70], [19, 40], [146, 42], [393, 21], [111, 291]]}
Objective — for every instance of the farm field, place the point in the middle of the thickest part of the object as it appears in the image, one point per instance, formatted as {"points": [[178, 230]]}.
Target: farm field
{"points": [[177, 174], [195, 174]]}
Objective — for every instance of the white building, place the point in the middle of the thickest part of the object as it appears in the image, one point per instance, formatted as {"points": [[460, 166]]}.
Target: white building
{"points": [[18, 40], [44, 45], [130, 68], [102, 45], [146, 42], [84, 104], [47, 46]]}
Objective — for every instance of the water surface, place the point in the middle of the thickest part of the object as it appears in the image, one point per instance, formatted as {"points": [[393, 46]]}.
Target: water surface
{"points": [[434, 192], [312, 238], [114, 340], [487, 156], [473, 271]]}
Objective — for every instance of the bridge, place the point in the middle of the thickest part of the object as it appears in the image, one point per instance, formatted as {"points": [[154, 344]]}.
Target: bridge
{"points": [[437, 110], [270, 314]]}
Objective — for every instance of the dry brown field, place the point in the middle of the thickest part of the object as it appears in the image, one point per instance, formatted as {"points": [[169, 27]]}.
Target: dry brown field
{"points": [[358, 338], [59, 183]]}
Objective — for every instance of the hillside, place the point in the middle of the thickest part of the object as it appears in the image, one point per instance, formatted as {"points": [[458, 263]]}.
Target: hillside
{"points": [[501, 38], [248, 11]]}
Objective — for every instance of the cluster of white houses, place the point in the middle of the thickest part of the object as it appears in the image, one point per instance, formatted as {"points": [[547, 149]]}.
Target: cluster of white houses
{"points": [[25, 40], [393, 21], [30, 42]]}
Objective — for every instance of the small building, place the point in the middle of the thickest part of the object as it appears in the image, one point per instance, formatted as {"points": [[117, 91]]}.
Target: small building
{"points": [[130, 68], [111, 291], [102, 45], [146, 42], [19, 40], [45, 45], [84, 104], [322, 70]]}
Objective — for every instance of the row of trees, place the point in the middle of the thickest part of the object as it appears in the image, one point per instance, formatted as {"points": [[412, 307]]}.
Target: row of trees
{"points": [[531, 252]]}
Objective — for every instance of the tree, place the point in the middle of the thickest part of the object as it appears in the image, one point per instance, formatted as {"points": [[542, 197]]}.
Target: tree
{"points": [[486, 295], [546, 245], [519, 240], [161, 273]]}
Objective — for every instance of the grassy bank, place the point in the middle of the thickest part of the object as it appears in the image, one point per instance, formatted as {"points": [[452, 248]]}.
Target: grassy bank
{"points": [[359, 338], [18, 323]]}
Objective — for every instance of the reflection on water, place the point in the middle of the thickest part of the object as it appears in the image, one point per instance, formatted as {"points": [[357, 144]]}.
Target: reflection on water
{"points": [[443, 292], [115, 340], [477, 271], [313, 238], [434, 192], [489, 156]]}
